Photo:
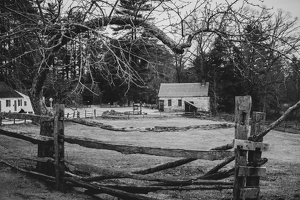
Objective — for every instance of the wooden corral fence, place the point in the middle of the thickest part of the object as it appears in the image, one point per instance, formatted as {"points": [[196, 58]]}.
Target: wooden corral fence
{"points": [[82, 114], [290, 127], [17, 118], [247, 155]]}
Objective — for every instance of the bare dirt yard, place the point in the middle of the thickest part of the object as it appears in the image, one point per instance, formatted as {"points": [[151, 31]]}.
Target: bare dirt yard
{"points": [[281, 183]]}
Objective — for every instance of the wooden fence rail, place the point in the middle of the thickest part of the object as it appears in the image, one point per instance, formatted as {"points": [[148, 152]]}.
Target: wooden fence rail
{"points": [[33, 138], [125, 149], [128, 149]]}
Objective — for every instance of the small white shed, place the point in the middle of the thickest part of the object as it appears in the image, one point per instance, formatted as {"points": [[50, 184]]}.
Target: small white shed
{"points": [[184, 97], [13, 101]]}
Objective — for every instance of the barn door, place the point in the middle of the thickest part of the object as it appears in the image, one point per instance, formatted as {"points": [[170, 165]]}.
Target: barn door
{"points": [[15, 105], [189, 107], [161, 105]]}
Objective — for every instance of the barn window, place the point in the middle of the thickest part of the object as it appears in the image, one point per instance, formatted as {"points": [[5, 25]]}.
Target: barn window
{"points": [[7, 103], [25, 103], [19, 102], [170, 102], [179, 102]]}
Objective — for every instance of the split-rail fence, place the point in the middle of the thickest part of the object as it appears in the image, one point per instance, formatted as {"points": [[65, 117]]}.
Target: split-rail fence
{"points": [[248, 147]]}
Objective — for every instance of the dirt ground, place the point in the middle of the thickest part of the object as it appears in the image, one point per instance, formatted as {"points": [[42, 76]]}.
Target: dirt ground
{"points": [[283, 168]]}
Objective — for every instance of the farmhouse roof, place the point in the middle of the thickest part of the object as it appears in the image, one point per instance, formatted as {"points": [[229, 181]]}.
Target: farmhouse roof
{"points": [[183, 90], [7, 92]]}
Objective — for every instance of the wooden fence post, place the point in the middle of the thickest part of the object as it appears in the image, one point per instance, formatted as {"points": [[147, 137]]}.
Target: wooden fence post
{"points": [[247, 151], [94, 113], [242, 118], [59, 146], [258, 119]]}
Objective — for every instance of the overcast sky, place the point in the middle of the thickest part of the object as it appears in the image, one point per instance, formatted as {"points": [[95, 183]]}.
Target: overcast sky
{"points": [[292, 6]]}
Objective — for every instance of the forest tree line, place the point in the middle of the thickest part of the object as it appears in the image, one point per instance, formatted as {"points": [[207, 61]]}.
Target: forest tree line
{"points": [[52, 51]]}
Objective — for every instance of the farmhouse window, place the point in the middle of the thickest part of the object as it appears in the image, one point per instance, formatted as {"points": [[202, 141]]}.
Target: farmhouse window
{"points": [[179, 102], [19, 102], [25, 103], [169, 102], [7, 103]]}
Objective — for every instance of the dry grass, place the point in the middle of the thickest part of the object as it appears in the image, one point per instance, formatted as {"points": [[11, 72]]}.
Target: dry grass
{"points": [[283, 168]]}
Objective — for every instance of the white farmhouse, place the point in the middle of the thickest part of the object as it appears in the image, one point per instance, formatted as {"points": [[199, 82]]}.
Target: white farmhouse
{"points": [[184, 97], [13, 101]]}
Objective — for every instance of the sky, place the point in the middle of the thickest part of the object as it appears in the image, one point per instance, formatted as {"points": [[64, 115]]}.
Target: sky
{"points": [[162, 19], [291, 6]]}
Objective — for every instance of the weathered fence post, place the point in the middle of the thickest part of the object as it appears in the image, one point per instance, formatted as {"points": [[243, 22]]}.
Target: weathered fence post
{"points": [[46, 129], [94, 113], [242, 118], [247, 151], [84, 113], [59, 145], [258, 119]]}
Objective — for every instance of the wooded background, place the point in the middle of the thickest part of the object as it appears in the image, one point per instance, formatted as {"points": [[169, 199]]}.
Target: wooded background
{"points": [[54, 49]]}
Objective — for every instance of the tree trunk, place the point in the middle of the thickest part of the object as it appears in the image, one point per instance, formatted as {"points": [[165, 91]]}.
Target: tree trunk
{"points": [[215, 96], [36, 92], [38, 104], [46, 150]]}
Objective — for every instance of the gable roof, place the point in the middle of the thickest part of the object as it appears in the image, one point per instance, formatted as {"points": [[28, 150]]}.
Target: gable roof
{"points": [[183, 90], [7, 92]]}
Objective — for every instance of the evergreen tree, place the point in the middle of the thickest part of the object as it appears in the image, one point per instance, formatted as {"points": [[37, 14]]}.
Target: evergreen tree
{"points": [[17, 72], [259, 66]]}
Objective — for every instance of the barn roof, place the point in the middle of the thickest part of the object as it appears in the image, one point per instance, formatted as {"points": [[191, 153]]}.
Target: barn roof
{"points": [[183, 90], [7, 92]]}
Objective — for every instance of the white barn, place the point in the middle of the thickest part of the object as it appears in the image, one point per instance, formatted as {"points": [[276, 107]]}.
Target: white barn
{"points": [[184, 97], [13, 101]]}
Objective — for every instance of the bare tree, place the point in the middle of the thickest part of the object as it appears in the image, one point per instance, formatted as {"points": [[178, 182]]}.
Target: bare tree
{"points": [[258, 44], [263, 52], [43, 27]]}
